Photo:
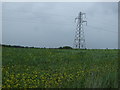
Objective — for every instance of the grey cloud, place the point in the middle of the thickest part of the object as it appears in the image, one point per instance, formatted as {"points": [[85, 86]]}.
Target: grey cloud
{"points": [[52, 24]]}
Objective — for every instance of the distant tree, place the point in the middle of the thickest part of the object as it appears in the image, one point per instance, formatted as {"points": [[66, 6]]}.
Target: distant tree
{"points": [[67, 47], [60, 48]]}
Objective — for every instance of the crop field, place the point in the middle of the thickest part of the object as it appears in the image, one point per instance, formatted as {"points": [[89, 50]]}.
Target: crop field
{"points": [[59, 68]]}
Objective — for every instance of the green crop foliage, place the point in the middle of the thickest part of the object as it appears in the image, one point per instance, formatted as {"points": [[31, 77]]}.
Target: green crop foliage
{"points": [[59, 68]]}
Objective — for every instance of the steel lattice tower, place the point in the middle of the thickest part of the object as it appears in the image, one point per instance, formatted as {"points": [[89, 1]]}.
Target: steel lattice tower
{"points": [[79, 41]]}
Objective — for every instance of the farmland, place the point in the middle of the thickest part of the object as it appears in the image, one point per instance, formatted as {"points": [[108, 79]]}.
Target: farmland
{"points": [[59, 68]]}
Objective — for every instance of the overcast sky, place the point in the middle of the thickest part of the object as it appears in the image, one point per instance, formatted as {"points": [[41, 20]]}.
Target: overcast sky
{"points": [[52, 24]]}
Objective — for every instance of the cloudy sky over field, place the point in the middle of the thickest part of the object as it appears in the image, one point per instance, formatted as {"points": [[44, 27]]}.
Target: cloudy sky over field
{"points": [[52, 24]]}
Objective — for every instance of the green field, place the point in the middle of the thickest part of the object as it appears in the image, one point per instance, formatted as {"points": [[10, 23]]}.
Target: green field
{"points": [[59, 68]]}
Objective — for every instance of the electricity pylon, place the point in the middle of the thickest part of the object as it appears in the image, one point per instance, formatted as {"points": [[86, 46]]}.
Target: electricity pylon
{"points": [[79, 41]]}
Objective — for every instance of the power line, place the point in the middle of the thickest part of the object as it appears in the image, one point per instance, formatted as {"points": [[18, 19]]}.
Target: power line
{"points": [[28, 20], [32, 21], [101, 29]]}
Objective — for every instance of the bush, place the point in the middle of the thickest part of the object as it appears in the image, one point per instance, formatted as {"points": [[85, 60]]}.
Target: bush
{"points": [[65, 47]]}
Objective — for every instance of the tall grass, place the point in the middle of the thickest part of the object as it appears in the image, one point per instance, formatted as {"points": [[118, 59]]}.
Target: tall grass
{"points": [[56, 68]]}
